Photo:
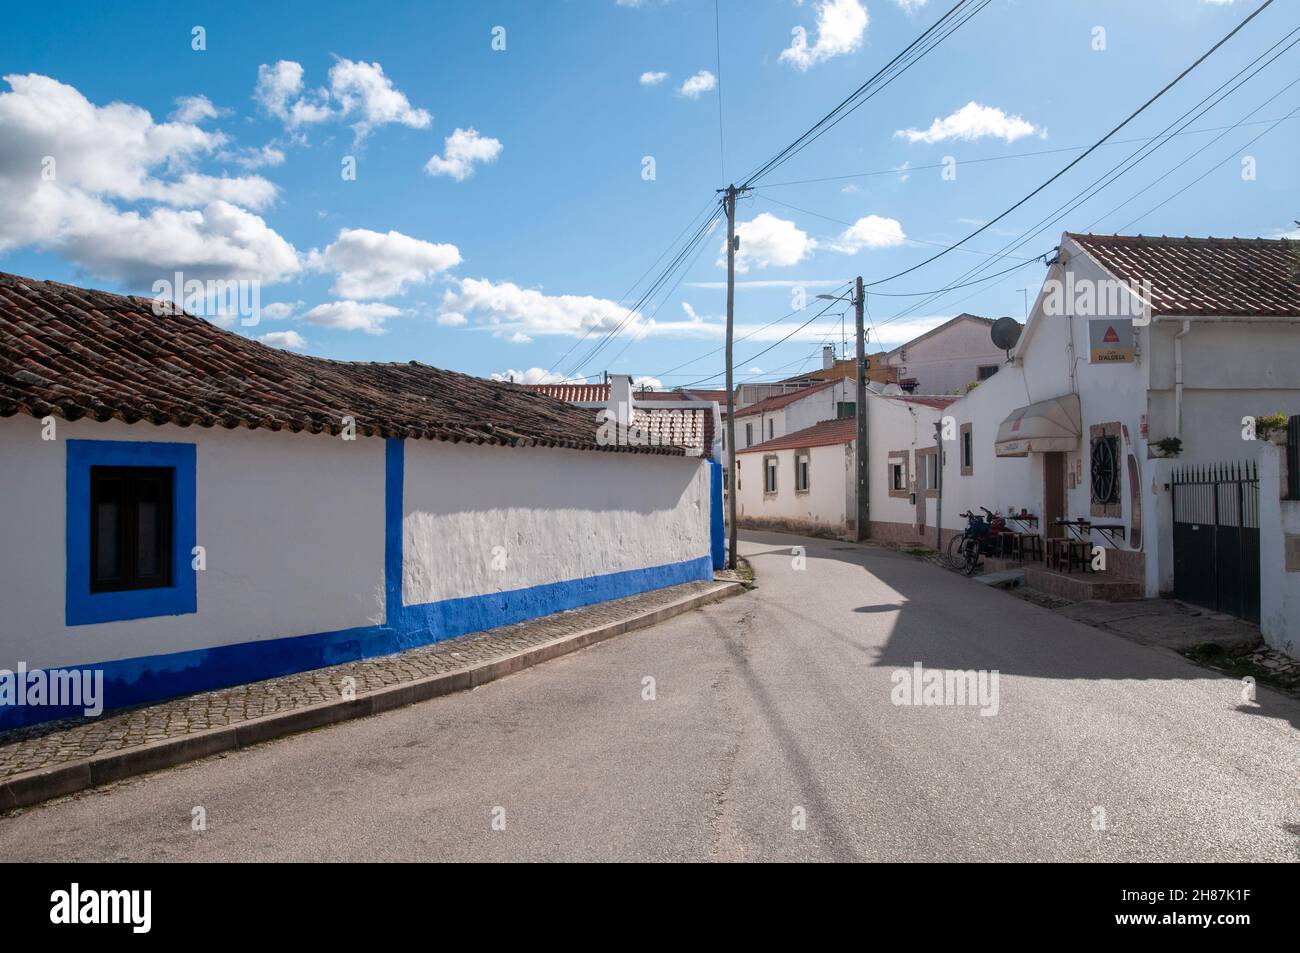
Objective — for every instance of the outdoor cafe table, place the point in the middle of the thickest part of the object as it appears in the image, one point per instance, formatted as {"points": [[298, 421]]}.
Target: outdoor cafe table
{"points": [[1081, 530]]}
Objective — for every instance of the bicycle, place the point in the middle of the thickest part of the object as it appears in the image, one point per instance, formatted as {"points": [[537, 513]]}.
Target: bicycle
{"points": [[976, 540]]}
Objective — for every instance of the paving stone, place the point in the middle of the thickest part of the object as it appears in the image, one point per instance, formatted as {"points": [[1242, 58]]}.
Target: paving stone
{"points": [[42, 746]]}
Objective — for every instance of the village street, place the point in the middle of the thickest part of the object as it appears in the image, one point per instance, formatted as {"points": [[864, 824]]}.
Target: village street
{"points": [[768, 707]]}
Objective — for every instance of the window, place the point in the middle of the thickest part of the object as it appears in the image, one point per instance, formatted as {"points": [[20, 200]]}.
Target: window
{"points": [[986, 371], [130, 528], [749, 435], [769, 474], [899, 474], [770, 425], [802, 468], [1105, 470], [846, 408], [967, 450], [897, 478]]}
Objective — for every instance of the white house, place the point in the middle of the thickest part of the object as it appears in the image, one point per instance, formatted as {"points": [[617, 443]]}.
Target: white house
{"points": [[1133, 340], [186, 509], [800, 409], [947, 358]]}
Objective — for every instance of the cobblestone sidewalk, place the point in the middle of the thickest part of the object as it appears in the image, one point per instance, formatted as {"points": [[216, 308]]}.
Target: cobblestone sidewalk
{"points": [[44, 746]]}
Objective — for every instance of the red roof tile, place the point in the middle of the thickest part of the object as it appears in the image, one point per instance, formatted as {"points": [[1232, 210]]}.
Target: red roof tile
{"points": [[1214, 277], [75, 353], [821, 434], [782, 400]]}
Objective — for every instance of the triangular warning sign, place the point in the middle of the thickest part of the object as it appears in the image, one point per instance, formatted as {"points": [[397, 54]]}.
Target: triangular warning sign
{"points": [[1110, 337]]}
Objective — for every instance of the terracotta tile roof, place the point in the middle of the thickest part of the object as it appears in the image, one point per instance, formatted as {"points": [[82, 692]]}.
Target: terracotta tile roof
{"points": [[75, 353], [690, 427], [716, 395], [821, 434], [1214, 277], [939, 403], [782, 400], [698, 433]]}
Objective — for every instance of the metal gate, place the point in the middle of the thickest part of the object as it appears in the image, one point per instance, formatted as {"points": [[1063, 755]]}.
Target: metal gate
{"points": [[1216, 537]]}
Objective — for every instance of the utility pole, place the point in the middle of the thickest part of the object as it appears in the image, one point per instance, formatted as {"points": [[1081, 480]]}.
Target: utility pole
{"points": [[731, 395], [864, 489]]}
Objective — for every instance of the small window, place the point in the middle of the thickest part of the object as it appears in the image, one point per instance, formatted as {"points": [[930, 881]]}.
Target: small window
{"points": [[845, 409], [130, 528], [987, 370], [749, 435], [770, 425], [801, 473], [897, 479], [769, 475], [967, 456]]}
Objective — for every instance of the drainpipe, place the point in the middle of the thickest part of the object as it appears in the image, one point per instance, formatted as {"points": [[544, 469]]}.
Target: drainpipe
{"points": [[1178, 378]]}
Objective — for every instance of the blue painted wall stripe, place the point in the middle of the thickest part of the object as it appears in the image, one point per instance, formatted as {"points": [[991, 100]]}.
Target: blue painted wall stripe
{"points": [[155, 677], [717, 527]]}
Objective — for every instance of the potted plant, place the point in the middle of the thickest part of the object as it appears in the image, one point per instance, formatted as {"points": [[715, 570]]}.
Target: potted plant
{"points": [[1169, 446], [1271, 427]]}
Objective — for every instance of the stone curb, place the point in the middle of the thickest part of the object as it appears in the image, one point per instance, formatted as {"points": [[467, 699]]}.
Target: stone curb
{"points": [[32, 787]]}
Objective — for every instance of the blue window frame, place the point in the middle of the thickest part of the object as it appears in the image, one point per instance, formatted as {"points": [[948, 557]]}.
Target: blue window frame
{"points": [[84, 607]]}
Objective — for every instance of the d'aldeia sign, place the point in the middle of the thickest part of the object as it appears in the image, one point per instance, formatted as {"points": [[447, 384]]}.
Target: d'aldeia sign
{"points": [[1110, 341]]}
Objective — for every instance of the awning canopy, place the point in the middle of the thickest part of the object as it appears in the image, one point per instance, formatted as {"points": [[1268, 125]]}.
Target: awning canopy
{"points": [[1043, 427]]}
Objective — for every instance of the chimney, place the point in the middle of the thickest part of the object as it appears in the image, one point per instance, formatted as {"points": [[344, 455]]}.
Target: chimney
{"points": [[620, 398], [828, 357]]}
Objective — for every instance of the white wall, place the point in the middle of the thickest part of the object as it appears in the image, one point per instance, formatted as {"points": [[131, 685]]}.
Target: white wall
{"points": [[293, 525], [1279, 590], [558, 514], [830, 470], [823, 405], [946, 362], [897, 425]]}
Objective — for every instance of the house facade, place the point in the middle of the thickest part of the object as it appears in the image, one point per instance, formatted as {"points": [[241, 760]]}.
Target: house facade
{"points": [[187, 509], [948, 358], [1134, 341]]}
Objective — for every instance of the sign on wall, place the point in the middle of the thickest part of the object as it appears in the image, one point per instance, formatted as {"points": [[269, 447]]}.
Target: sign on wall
{"points": [[1111, 341]]}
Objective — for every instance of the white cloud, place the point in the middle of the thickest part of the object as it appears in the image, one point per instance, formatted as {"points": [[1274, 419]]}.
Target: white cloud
{"points": [[451, 319], [194, 109], [534, 375], [460, 151], [505, 306], [519, 337], [770, 242], [370, 264], [286, 339], [647, 383], [973, 122], [841, 24], [653, 78], [66, 162], [871, 231], [357, 91], [911, 6], [352, 315], [701, 82], [280, 310], [279, 90], [362, 90]]}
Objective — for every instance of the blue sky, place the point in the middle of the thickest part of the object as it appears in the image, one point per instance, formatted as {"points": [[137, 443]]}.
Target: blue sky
{"points": [[500, 209]]}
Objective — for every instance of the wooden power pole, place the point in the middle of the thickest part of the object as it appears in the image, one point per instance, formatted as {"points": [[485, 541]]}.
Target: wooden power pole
{"points": [[731, 395], [863, 517]]}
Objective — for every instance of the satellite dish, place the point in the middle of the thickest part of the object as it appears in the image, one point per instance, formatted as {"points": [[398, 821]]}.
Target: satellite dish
{"points": [[1005, 334]]}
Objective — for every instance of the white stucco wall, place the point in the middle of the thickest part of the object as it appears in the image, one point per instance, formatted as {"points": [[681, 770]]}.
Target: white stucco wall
{"points": [[558, 515], [897, 425], [949, 360], [293, 526], [1279, 590], [825, 502]]}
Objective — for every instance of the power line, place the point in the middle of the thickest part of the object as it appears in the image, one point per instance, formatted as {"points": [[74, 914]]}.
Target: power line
{"points": [[1070, 165]]}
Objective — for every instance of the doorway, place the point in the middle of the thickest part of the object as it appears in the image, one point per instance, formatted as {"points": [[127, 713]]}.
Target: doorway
{"points": [[1054, 469]]}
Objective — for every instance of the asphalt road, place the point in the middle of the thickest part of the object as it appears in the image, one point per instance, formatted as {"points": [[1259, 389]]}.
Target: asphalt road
{"points": [[769, 708]]}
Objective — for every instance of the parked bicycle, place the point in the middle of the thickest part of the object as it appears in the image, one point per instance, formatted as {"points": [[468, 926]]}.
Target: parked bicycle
{"points": [[979, 538]]}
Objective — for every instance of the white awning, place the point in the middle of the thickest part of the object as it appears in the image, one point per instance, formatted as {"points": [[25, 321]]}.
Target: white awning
{"points": [[1046, 426]]}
